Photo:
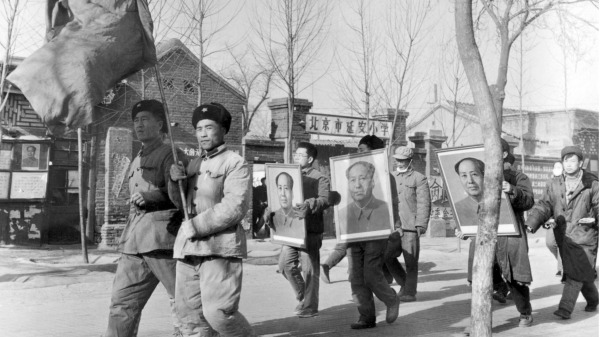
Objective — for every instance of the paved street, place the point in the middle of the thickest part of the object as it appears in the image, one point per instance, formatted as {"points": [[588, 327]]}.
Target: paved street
{"points": [[46, 292]]}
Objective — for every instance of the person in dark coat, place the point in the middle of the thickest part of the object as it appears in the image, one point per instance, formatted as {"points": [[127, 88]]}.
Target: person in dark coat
{"points": [[146, 244], [512, 257], [572, 199]]}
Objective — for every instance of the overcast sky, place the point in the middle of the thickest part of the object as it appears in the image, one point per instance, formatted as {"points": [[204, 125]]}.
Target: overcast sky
{"points": [[543, 61]]}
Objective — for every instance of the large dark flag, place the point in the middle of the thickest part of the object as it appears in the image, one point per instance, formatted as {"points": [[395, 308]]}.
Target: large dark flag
{"points": [[92, 45]]}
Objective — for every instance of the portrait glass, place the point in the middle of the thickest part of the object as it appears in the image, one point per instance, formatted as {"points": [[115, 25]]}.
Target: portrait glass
{"points": [[284, 191], [34, 156], [364, 211], [465, 187]]}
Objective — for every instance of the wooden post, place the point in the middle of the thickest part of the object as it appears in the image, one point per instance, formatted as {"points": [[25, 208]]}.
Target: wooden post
{"points": [[179, 243], [81, 217], [91, 199]]}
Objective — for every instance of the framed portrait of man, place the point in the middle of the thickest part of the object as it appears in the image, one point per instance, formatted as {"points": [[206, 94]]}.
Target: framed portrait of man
{"points": [[33, 156], [463, 170], [284, 191], [365, 209]]}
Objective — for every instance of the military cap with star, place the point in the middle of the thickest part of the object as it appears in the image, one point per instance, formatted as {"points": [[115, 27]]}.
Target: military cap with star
{"points": [[212, 111]]}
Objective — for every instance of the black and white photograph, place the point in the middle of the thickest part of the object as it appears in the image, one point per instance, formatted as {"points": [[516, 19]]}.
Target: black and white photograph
{"points": [[174, 167], [362, 180]]}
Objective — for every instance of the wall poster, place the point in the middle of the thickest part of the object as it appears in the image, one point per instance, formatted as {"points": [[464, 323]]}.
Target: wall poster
{"points": [[28, 185]]}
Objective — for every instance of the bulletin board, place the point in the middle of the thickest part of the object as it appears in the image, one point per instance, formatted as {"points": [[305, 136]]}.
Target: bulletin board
{"points": [[28, 185]]}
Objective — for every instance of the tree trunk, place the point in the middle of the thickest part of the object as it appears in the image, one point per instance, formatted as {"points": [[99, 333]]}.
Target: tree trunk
{"points": [[201, 52], [291, 82], [481, 304]]}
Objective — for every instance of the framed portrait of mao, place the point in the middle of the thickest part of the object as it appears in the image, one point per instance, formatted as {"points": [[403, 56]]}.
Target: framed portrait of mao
{"points": [[284, 191], [364, 211], [463, 170]]}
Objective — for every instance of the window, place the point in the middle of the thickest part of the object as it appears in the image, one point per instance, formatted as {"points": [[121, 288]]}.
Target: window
{"points": [[168, 83], [189, 86]]}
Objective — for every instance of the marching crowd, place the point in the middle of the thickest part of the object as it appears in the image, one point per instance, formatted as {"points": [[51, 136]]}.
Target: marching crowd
{"points": [[204, 286]]}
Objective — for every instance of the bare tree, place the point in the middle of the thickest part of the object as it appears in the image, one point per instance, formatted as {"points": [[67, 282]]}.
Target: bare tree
{"points": [[405, 25], [291, 35], [9, 13], [453, 91], [355, 83], [481, 313], [201, 22], [510, 19], [253, 81]]}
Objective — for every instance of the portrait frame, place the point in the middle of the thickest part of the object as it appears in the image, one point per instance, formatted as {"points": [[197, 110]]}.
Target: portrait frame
{"points": [[41, 157], [288, 231], [468, 223], [379, 209]]}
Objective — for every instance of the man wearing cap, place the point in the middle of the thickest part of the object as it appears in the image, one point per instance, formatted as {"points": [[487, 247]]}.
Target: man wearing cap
{"points": [[218, 186], [146, 244], [414, 205], [572, 200]]}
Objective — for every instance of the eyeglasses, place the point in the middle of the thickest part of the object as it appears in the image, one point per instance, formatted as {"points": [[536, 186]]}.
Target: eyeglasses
{"points": [[300, 155]]}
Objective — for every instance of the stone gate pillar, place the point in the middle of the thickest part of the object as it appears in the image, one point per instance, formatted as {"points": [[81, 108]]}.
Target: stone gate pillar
{"points": [[116, 188]]}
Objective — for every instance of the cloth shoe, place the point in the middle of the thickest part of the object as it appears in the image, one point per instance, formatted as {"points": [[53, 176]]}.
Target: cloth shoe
{"points": [[467, 331], [392, 311], [325, 274], [306, 313], [525, 320], [591, 308], [499, 297], [562, 313], [298, 308], [407, 298], [559, 273], [362, 325]]}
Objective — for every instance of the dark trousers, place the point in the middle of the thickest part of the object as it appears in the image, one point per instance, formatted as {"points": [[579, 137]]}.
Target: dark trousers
{"points": [[571, 291], [366, 277], [409, 246], [135, 280], [520, 294], [305, 282], [337, 255]]}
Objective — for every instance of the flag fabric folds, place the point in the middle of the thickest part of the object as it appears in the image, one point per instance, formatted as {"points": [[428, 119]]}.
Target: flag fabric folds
{"points": [[92, 45]]}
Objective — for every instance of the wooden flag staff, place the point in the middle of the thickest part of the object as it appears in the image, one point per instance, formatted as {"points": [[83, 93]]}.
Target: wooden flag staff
{"points": [[179, 242]]}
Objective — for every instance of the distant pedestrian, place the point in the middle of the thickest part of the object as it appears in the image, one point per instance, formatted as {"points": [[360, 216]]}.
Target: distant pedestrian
{"points": [[218, 185], [572, 199], [146, 244], [295, 262], [413, 201]]}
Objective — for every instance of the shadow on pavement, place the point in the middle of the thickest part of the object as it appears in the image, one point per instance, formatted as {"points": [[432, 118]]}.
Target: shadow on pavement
{"points": [[328, 323], [545, 315], [62, 272]]}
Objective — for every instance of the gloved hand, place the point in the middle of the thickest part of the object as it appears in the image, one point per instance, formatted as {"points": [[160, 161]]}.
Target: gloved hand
{"points": [[268, 218], [459, 234], [187, 230], [177, 172], [301, 210]]}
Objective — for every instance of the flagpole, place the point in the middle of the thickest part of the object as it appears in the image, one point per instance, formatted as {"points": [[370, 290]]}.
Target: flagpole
{"points": [[179, 243]]}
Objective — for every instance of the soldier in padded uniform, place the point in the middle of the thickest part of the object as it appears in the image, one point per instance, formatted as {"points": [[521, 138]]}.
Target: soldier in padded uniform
{"points": [[146, 244]]}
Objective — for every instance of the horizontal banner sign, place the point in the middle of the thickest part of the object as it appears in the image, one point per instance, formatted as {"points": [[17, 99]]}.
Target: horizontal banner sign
{"points": [[347, 126]]}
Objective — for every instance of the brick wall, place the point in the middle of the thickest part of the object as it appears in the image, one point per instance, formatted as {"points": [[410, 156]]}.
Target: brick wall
{"points": [[178, 69]]}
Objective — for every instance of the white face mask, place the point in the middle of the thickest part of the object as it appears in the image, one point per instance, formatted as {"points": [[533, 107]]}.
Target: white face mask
{"points": [[402, 170]]}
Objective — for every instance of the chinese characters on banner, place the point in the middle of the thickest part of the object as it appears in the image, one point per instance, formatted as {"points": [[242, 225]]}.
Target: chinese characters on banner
{"points": [[347, 126]]}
